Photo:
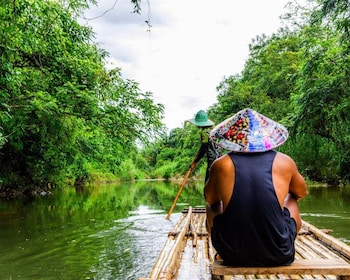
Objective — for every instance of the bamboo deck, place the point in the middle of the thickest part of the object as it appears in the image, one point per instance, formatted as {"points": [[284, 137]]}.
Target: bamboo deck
{"points": [[188, 252]]}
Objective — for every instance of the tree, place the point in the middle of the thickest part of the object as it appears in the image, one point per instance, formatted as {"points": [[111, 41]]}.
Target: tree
{"points": [[322, 105], [268, 79], [337, 14], [299, 76], [62, 113]]}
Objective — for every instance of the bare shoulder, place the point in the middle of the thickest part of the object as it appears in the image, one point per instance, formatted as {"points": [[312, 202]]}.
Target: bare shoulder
{"points": [[284, 157], [285, 162], [222, 163]]}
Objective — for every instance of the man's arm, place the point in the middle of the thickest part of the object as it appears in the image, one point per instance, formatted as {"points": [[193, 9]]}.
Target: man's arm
{"points": [[297, 187], [210, 192], [214, 204], [221, 181], [201, 152]]}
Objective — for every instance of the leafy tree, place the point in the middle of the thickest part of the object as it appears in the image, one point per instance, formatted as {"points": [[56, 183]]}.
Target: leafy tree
{"points": [[302, 74], [323, 103], [299, 76], [269, 78], [334, 13], [62, 113]]}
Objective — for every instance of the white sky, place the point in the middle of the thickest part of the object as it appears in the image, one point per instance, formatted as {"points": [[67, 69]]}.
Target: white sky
{"points": [[192, 45]]}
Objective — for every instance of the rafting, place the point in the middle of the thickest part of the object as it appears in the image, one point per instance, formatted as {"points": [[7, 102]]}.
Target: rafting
{"points": [[127, 126], [251, 225]]}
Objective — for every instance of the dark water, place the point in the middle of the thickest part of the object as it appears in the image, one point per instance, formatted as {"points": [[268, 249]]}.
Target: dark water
{"points": [[117, 231], [328, 208]]}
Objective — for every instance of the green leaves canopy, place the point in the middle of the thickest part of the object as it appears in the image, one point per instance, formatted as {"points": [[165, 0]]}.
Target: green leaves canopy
{"points": [[300, 77], [62, 113]]}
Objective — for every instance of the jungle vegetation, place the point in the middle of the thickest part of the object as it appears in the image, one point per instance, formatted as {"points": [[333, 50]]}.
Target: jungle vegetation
{"points": [[298, 76], [66, 119]]}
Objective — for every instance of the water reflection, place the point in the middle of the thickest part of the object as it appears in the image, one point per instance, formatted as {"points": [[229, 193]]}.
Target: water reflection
{"points": [[137, 246], [328, 208], [117, 232]]}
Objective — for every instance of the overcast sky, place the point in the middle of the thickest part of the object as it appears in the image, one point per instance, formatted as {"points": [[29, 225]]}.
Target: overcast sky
{"points": [[191, 46]]}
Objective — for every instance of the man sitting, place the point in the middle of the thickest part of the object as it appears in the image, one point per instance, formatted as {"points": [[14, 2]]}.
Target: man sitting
{"points": [[252, 193]]}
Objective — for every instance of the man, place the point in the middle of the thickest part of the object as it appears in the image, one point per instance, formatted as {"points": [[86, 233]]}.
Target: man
{"points": [[207, 147], [252, 193]]}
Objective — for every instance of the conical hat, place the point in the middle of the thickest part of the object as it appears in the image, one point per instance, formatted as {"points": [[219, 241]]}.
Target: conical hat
{"points": [[248, 132]]}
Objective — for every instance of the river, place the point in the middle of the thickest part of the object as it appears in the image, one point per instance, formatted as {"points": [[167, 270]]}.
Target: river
{"points": [[116, 231]]}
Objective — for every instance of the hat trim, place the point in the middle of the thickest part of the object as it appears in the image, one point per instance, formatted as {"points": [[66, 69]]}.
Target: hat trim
{"points": [[268, 136], [204, 124]]}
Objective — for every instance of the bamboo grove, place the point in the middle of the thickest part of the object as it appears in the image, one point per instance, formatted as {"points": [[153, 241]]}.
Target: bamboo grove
{"points": [[66, 118]]}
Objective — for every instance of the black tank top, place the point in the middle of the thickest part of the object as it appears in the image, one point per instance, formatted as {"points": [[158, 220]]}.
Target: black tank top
{"points": [[254, 230]]}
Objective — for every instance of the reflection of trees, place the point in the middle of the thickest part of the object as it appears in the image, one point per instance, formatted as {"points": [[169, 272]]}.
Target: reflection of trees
{"points": [[337, 200], [115, 201], [160, 194], [328, 207], [97, 230]]}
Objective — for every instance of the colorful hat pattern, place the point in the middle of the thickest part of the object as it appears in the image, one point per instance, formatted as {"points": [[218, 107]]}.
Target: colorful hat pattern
{"points": [[248, 132]]}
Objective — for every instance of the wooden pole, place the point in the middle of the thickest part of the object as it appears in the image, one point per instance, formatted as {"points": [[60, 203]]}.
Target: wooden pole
{"points": [[179, 192], [192, 166], [331, 241], [165, 265]]}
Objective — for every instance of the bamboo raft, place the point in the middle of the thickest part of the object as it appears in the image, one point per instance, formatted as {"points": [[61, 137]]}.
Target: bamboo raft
{"points": [[189, 254]]}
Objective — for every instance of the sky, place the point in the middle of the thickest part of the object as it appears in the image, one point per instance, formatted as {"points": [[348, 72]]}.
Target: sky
{"points": [[191, 46]]}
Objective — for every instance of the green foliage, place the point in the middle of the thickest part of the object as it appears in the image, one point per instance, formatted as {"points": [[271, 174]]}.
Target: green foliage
{"points": [[334, 13], [171, 156], [166, 170], [127, 171], [299, 77], [322, 102], [63, 115]]}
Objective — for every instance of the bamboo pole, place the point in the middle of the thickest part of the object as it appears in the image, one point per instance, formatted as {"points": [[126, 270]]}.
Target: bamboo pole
{"points": [[165, 264], [179, 192], [329, 240], [192, 166]]}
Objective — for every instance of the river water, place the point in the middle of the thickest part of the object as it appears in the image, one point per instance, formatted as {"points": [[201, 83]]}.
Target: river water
{"points": [[116, 231]]}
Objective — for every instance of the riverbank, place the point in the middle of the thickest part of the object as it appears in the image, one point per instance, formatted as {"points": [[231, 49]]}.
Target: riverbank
{"points": [[9, 194]]}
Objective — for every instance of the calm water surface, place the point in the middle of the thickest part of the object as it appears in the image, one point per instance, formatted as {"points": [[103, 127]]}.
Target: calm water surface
{"points": [[117, 231]]}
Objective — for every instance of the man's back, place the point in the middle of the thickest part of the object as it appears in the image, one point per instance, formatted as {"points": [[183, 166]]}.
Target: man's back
{"points": [[252, 229], [285, 176]]}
